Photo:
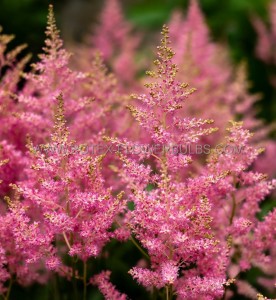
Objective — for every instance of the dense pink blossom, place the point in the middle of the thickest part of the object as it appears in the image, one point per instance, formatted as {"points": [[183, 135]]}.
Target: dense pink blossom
{"points": [[49, 77], [68, 189], [266, 36], [115, 39], [176, 222], [195, 217], [222, 91], [106, 287]]}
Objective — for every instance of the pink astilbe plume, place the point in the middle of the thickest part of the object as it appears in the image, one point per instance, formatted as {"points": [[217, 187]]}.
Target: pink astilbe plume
{"points": [[189, 249], [11, 67], [105, 116], [90, 95], [263, 49], [266, 36], [266, 42], [237, 199], [25, 246], [158, 110], [223, 95], [102, 87], [12, 170], [193, 44], [172, 221], [261, 249], [49, 77], [102, 280], [114, 38], [219, 89], [65, 191], [11, 70], [222, 91]]}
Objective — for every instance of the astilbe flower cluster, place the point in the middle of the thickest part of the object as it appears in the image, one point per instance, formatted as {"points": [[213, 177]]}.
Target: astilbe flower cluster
{"points": [[49, 76], [190, 227], [222, 90], [114, 38], [11, 70], [194, 217], [266, 36]]}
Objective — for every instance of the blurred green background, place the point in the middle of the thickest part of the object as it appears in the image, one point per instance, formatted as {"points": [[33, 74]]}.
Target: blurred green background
{"points": [[230, 24]]}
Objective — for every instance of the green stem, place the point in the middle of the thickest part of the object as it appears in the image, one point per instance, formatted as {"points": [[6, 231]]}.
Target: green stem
{"points": [[139, 247], [9, 290], [167, 293], [234, 205]]}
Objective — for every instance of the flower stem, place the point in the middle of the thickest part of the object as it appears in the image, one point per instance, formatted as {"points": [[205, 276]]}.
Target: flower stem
{"points": [[9, 290], [66, 240], [169, 292], [139, 247], [234, 204]]}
